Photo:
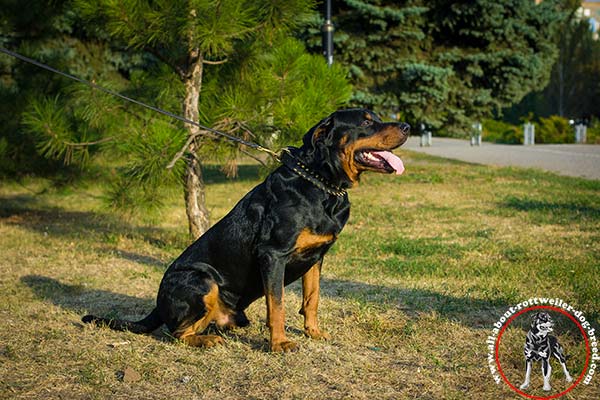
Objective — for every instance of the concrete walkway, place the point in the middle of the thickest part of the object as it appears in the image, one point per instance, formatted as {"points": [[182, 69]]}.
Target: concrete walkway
{"points": [[578, 160]]}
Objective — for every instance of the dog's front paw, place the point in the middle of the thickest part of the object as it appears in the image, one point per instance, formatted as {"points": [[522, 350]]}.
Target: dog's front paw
{"points": [[547, 387], [284, 346], [317, 334], [524, 386], [568, 378]]}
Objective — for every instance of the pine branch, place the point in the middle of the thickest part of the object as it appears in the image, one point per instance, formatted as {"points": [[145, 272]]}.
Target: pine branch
{"points": [[253, 157], [85, 144], [209, 134], [183, 149], [209, 62]]}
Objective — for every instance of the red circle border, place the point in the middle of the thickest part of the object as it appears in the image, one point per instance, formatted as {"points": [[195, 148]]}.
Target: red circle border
{"points": [[587, 357]]}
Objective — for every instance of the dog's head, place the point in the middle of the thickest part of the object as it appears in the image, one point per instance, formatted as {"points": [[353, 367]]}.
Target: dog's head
{"points": [[542, 323], [349, 142]]}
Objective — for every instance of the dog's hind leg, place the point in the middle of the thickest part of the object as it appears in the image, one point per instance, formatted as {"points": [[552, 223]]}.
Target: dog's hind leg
{"points": [[191, 334], [559, 353], [189, 300], [567, 375], [526, 382], [547, 372]]}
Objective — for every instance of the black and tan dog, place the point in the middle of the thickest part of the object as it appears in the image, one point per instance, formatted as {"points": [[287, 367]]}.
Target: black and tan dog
{"points": [[541, 346], [276, 234]]}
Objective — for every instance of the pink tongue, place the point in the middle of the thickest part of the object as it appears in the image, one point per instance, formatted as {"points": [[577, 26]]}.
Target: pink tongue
{"points": [[394, 161]]}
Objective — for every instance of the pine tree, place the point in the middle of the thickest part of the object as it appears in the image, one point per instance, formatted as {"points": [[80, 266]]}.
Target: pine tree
{"points": [[46, 34], [445, 63], [187, 36], [228, 64]]}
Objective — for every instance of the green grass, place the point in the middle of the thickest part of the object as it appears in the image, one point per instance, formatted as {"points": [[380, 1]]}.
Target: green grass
{"points": [[427, 263]]}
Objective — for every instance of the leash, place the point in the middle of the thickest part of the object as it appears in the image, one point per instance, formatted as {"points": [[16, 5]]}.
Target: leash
{"points": [[231, 138], [285, 157]]}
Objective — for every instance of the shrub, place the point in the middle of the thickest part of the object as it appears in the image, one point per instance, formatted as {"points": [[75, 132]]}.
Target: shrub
{"points": [[501, 132], [554, 129], [593, 132]]}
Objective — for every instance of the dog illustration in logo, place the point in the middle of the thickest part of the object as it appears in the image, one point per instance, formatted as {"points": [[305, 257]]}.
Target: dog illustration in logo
{"points": [[540, 346]]}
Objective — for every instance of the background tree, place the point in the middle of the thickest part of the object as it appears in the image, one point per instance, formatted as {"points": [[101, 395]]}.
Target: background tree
{"points": [[229, 64], [444, 63], [574, 85], [48, 34]]}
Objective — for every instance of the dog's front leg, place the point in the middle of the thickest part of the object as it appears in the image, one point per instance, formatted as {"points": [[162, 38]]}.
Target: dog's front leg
{"points": [[310, 302], [273, 284], [546, 371], [525, 384]]}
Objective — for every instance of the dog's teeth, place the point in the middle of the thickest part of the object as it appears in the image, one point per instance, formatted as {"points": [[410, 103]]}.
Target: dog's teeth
{"points": [[370, 156]]}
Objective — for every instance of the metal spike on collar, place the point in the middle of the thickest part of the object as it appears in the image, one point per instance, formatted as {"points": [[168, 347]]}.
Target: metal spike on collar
{"points": [[303, 171]]}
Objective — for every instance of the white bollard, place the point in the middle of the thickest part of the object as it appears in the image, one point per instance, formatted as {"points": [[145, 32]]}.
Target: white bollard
{"points": [[580, 133], [528, 134], [426, 138], [476, 134]]}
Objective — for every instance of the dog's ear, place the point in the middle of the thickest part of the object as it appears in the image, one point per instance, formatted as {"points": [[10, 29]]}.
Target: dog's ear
{"points": [[319, 133], [534, 319]]}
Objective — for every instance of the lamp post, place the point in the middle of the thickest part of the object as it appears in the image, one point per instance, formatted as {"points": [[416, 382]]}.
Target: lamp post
{"points": [[328, 34]]}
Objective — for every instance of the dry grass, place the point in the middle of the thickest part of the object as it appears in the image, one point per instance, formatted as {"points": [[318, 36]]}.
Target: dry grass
{"points": [[426, 265]]}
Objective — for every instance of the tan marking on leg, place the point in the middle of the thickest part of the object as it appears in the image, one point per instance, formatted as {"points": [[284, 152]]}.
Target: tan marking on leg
{"points": [[203, 340], [276, 323], [310, 302], [215, 311]]}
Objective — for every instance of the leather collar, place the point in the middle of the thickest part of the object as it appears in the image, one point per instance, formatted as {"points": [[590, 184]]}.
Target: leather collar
{"points": [[301, 169]]}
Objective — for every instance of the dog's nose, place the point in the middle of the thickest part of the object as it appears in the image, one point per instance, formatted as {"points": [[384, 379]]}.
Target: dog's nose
{"points": [[405, 128]]}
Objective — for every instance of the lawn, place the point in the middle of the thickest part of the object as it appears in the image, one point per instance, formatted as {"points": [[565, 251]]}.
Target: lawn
{"points": [[410, 292]]}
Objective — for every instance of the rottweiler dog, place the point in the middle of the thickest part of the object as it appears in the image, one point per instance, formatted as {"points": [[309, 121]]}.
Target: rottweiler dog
{"points": [[541, 346], [277, 233]]}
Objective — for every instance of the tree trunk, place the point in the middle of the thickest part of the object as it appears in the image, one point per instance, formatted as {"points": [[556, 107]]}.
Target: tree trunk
{"points": [[195, 204], [195, 201], [561, 88]]}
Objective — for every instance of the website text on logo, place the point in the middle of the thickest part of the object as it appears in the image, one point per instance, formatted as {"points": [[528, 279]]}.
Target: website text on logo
{"points": [[557, 305]]}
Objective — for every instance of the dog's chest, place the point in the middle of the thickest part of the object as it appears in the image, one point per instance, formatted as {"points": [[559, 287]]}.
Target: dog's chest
{"points": [[539, 343], [314, 240], [308, 240]]}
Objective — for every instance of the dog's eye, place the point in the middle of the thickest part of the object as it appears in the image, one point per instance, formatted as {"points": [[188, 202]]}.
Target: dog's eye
{"points": [[367, 122]]}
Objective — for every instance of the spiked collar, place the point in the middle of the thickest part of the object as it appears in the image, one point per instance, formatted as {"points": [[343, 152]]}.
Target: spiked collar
{"points": [[296, 165]]}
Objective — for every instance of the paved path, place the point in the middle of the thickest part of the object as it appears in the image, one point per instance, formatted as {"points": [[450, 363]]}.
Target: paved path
{"points": [[565, 159]]}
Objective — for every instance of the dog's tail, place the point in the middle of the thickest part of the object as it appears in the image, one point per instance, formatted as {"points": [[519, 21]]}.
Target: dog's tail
{"points": [[146, 325]]}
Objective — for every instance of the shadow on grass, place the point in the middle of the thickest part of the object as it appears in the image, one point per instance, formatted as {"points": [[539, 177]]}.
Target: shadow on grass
{"points": [[552, 209], [107, 304], [30, 213], [81, 300], [149, 261], [474, 313]]}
